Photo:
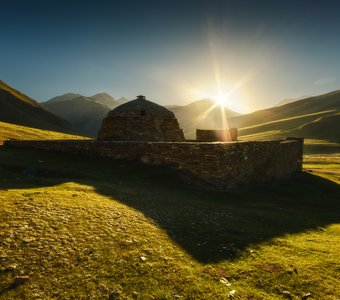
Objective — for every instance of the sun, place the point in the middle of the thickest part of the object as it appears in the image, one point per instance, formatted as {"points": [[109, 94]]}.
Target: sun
{"points": [[220, 100], [224, 101]]}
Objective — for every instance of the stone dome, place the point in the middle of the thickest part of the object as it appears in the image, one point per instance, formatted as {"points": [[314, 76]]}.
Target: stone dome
{"points": [[141, 106], [140, 120]]}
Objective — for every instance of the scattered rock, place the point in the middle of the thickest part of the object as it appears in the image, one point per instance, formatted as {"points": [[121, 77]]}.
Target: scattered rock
{"points": [[19, 280], [225, 281], [306, 296], [143, 258], [231, 294], [287, 295], [114, 295], [28, 239], [10, 268]]}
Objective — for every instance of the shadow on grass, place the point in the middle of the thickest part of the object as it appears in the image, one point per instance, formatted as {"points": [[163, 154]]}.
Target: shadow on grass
{"points": [[210, 226]]}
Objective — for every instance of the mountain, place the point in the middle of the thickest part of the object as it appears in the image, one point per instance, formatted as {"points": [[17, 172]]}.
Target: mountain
{"points": [[290, 118], [102, 98], [122, 100], [201, 114], [327, 128], [17, 108], [65, 97], [305, 117], [290, 100], [84, 113], [106, 99]]}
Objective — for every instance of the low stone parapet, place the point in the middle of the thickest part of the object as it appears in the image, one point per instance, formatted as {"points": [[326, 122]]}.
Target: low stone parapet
{"points": [[220, 165]]}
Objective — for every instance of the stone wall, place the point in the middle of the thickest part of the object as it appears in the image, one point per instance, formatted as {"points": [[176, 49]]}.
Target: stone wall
{"points": [[209, 135], [140, 128], [220, 165]]}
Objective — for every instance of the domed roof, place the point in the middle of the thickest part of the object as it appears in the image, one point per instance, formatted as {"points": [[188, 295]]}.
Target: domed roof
{"points": [[141, 106]]}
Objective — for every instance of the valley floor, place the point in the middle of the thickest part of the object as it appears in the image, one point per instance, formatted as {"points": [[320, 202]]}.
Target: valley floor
{"points": [[85, 228]]}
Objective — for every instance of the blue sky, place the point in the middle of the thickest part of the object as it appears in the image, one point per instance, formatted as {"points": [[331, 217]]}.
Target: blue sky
{"points": [[255, 53]]}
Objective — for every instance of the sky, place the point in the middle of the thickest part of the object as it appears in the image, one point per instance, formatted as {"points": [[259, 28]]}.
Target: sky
{"points": [[252, 53]]}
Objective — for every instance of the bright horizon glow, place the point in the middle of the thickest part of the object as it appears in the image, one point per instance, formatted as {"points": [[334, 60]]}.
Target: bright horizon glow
{"points": [[225, 101]]}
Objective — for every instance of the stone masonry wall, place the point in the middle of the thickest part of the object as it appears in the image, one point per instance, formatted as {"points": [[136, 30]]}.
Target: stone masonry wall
{"points": [[206, 135], [140, 128], [221, 165]]}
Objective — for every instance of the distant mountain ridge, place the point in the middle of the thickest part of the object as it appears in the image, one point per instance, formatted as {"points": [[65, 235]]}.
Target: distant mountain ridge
{"points": [[306, 117], [61, 98], [102, 98], [17, 108], [84, 113]]}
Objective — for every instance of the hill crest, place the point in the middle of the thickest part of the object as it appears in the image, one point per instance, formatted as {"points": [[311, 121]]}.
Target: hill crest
{"points": [[17, 108]]}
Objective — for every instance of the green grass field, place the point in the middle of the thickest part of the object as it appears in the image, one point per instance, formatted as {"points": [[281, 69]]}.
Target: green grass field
{"points": [[89, 228]]}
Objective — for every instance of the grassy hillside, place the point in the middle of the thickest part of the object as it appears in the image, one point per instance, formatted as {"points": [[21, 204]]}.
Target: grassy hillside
{"points": [[17, 108], [11, 131], [327, 103], [85, 228], [324, 127], [313, 117], [5, 87]]}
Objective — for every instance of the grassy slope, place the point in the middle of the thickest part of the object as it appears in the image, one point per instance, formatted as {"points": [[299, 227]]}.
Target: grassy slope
{"points": [[11, 131], [323, 127], [18, 94], [313, 117], [322, 103], [17, 108], [85, 228]]}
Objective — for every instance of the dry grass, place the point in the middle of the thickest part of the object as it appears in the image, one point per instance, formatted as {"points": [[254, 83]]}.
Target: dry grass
{"points": [[85, 228], [12, 131]]}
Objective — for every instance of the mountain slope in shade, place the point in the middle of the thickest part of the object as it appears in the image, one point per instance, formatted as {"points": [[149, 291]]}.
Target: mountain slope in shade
{"points": [[84, 113], [201, 114], [17, 108], [327, 128]]}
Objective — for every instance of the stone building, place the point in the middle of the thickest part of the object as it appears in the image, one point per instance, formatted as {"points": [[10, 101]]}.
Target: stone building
{"points": [[140, 120], [144, 131]]}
